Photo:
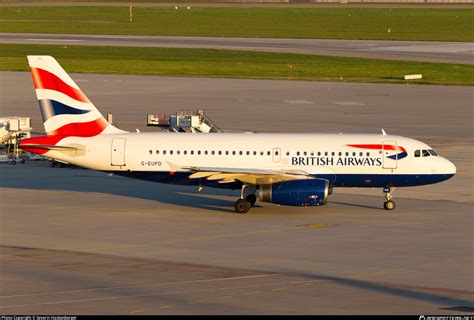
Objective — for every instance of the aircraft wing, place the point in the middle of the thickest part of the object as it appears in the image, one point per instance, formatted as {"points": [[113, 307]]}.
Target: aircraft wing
{"points": [[251, 176]]}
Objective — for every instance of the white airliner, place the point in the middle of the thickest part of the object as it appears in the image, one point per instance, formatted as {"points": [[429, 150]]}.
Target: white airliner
{"points": [[288, 169]]}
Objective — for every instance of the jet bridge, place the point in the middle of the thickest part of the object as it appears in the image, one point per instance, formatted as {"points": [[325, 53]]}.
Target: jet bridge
{"points": [[183, 121]]}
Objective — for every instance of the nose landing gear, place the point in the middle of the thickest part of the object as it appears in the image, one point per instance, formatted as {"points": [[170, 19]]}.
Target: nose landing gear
{"points": [[389, 204], [247, 199]]}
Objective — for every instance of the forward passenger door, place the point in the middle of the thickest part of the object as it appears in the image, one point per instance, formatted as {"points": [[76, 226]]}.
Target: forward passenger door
{"points": [[390, 154]]}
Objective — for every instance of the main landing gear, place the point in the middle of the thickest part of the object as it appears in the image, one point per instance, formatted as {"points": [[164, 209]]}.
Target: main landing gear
{"points": [[388, 204], [247, 199]]}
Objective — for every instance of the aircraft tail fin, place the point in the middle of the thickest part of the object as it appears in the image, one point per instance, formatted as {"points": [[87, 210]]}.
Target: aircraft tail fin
{"points": [[65, 109]]}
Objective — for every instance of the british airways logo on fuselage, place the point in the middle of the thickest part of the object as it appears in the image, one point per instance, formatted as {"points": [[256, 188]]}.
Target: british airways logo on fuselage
{"points": [[392, 152], [332, 161]]}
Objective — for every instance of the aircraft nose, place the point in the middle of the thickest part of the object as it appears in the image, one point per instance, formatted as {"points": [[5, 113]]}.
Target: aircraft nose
{"points": [[448, 167]]}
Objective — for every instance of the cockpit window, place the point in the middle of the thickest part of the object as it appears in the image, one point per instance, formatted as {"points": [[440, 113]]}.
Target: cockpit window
{"points": [[417, 153], [425, 153], [433, 153]]}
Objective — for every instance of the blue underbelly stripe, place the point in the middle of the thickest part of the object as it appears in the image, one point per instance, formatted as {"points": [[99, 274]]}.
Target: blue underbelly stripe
{"points": [[340, 180]]}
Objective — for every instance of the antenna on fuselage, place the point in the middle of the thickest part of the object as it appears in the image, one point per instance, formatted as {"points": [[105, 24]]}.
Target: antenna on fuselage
{"points": [[383, 132]]}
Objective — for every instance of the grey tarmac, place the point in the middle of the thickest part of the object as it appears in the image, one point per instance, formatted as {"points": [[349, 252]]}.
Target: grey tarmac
{"points": [[77, 241], [446, 52]]}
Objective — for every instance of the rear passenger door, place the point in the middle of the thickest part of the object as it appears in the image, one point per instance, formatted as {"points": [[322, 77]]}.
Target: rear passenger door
{"points": [[118, 152]]}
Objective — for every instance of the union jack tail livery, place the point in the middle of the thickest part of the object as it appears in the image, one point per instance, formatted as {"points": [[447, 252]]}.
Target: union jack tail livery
{"points": [[65, 109]]}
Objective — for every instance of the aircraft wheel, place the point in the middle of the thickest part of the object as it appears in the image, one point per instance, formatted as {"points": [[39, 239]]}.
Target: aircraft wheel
{"points": [[252, 198], [242, 206], [22, 161], [389, 205], [13, 162]]}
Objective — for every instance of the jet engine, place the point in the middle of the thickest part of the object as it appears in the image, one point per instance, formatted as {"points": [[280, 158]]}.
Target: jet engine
{"points": [[311, 192]]}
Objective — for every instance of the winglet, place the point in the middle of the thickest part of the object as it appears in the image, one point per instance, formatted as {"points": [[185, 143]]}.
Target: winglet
{"points": [[383, 132]]}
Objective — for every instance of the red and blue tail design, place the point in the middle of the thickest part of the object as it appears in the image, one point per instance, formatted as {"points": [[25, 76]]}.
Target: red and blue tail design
{"points": [[65, 109]]}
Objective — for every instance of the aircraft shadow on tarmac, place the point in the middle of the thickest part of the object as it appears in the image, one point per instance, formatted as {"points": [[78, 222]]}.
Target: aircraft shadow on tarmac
{"points": [[406, 291], [97, 182], [80, 181]]}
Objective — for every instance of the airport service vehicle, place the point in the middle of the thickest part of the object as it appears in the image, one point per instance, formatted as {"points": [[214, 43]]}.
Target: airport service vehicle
{"points": [[288, 169]]}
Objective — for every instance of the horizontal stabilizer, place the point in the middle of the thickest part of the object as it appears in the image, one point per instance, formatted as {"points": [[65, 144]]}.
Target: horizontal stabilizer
{"points": [[51, 147]]}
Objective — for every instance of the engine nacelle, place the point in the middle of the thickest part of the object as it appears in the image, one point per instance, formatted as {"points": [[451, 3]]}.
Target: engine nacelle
{"points": [[311, 192]]}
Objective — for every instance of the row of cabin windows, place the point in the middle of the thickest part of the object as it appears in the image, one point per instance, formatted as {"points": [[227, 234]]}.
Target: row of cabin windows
{"points": [[319, 153], [268, 153], [212, 152]]}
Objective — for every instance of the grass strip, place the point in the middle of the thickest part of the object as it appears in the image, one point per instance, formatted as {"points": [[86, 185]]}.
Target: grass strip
{"points": [[312, 23], [234, 64]]}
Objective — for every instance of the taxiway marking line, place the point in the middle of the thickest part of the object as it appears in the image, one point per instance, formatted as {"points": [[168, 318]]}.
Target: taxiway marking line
{"points": [[279, 289], [250, 293], [136, 311], [219, 236], [140, 285], [143, 295], [304, 285]]}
